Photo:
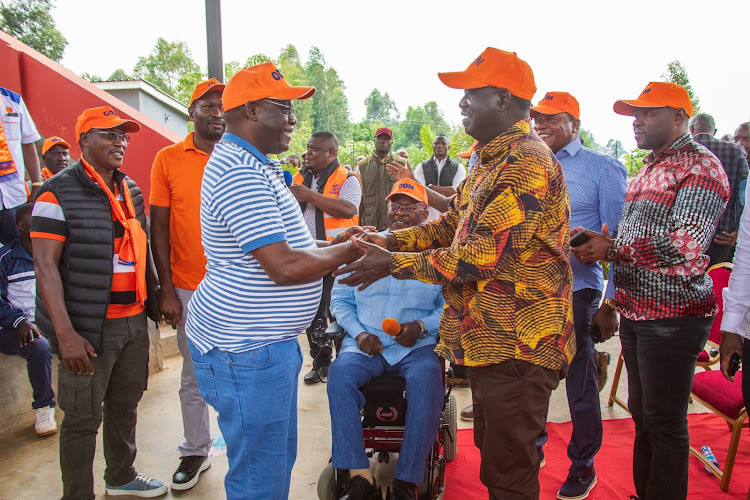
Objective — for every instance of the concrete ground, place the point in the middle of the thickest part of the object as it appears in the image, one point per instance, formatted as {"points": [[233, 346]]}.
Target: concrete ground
{"points": [[29, 465]]}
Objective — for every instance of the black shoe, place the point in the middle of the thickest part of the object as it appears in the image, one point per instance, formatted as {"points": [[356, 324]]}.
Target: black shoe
{"points": [[401, 490], [359, 488], [313, 376], [187, 474]]}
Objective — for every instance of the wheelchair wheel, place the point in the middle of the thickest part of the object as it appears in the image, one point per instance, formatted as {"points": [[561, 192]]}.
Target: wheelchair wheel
{"points": [[326, 484], [450, 443]]}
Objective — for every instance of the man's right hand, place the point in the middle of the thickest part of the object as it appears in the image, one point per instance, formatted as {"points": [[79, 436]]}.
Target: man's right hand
{"points": [[170, 307], [27, 332], [369, 343], [731, 343], [75, 352]]}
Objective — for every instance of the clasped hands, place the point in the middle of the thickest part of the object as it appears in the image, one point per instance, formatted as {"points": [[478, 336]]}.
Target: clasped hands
{"points": [[375, 260], [370, 344]]}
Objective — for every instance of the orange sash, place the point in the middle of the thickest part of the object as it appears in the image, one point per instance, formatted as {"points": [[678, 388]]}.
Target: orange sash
{"points": [[46, 173], [7, 165], [133, 247]]}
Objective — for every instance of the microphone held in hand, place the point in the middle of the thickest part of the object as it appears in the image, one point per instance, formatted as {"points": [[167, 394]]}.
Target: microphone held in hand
{"points": [[391, 327], [287, 178]]}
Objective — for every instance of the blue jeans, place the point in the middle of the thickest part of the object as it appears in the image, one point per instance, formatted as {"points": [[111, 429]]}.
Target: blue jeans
{"points": [[255, 394], [660, 356], [424, 389], [38, 358], [582, 389]]}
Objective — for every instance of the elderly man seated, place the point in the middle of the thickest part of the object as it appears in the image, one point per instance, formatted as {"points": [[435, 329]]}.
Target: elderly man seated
{"points": [[367, 352]]}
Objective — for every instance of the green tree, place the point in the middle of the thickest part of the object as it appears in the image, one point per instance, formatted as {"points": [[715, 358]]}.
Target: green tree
{"points": [[171, 68], [676, 73], [330, 108], [92, 78], [231, 68], [118, 75], [614, 149], [293, 70], [30, 22], [408, 131], [633, 161], [587, 138], [380, 107]]}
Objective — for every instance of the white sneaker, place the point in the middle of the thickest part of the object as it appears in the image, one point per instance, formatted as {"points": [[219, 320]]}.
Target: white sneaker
{"points": [[45, 421]]}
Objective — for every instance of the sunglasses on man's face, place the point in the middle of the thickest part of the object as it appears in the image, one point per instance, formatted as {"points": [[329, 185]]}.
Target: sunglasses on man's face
{"points": [[112, 136]]}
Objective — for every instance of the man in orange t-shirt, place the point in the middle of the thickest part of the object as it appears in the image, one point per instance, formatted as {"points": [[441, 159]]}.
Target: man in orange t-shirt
{"points": [[176, 239]]}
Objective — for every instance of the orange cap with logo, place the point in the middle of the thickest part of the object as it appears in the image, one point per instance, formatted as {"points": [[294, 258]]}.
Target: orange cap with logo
{"points": [[496, 68], [260, 82], [210, 85], [555, 103], [410, 188], [54, 141], [467, 154], [657, 95], [102, 117]]}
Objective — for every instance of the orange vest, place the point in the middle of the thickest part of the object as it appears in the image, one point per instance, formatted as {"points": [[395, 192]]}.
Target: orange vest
{"points": [[332, 224]]}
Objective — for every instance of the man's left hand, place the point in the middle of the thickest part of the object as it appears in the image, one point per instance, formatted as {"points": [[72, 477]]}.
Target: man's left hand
{"points": [[349, 233], [595, 249], [606, 319], [409, 334], [300, 191], [27, 332], [731, 343], [375, 264], [725, 238]]}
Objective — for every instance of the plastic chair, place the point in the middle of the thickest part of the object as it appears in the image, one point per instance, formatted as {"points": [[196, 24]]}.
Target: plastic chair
{"points": [[724, 398]]}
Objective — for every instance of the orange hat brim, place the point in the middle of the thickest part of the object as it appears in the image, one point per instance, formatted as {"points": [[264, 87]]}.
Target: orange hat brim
{"points": [[547, 110], [290, 93], [627, 107], [218, 87], [460, 80]]}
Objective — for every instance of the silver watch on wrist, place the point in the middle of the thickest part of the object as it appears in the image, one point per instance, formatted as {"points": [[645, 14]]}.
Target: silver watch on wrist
{"points": [[423, 329]]}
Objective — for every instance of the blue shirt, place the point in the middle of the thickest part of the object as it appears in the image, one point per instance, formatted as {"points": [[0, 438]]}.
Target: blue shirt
{"points": [[596, 187], [402, 300], [246, 205], [17, 285]]}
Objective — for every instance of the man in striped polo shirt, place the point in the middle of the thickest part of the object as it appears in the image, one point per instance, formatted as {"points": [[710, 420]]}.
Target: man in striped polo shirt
{"points": [[665, 299], [262, 286]]}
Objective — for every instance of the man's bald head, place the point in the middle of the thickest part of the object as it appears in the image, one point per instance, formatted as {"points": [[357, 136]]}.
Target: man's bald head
{"points": [[702, 123]]}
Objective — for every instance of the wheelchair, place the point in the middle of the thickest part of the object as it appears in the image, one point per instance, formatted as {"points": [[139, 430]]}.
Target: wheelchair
{"points": [[383, 421]]}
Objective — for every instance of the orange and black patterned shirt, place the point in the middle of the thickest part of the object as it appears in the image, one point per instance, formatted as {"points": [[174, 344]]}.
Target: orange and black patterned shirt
{"points": [[501, 253]]}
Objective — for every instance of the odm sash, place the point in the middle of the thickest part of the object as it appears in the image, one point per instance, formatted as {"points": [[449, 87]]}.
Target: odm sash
{"points": [[7, 165]]}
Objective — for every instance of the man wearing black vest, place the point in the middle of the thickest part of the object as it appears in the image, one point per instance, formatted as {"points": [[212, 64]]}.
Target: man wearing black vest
{"points": [[440, 173], [329, 195], [90, 258]]}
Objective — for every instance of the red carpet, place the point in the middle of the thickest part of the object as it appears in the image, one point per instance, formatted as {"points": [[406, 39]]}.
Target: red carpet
{"points": [[613, 463]]}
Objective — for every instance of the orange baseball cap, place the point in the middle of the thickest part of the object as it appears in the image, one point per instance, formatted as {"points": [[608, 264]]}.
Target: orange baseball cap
{"points": [[555, 103], [209, 85], [410, 188], [657, 95], [467, 154], [103, 117], [260, 82], [496, 68], [54, 141]]}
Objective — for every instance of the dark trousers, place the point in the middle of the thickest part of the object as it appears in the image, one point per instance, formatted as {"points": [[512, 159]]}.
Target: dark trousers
{"points": [[510, 404], [38, 364], [8, 228], [321, 355], [720, 253], [111, 394], [660, 357], [583, 390]]}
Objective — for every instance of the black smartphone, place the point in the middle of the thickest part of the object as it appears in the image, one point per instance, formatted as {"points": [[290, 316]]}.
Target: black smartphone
{"points": [[579, 238], [734, 364], [595, 333]]}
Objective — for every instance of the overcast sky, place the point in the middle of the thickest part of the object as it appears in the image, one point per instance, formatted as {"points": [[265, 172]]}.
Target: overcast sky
{"points": [[598, 51]]}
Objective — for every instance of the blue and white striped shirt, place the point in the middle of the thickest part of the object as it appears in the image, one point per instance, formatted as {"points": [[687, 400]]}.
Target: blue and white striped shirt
{"points": [[245, 205]]}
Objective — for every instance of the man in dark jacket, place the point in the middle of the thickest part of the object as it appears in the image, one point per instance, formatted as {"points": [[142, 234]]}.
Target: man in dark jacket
{"points": [[440, 173], [89, 242]]}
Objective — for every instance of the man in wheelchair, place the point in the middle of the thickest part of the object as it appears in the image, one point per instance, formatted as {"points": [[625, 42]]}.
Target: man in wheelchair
{"points": [[367, 352]]}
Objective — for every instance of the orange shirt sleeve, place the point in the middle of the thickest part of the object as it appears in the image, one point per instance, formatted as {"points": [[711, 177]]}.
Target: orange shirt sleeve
{"points": [[161, 194]]}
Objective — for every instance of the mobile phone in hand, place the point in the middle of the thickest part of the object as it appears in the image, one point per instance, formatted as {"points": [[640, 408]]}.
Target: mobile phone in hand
{"points": [[734, 364], [579, 238]]}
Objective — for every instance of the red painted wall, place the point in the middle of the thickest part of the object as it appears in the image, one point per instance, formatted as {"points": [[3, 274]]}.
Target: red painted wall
{"points": [[56, 96]]}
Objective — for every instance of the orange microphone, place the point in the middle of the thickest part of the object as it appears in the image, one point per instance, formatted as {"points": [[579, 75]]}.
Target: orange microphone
{"points": [[391, 327]]}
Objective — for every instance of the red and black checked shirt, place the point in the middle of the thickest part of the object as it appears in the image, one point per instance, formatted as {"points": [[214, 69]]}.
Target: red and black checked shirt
{"points": [[668, 220]]}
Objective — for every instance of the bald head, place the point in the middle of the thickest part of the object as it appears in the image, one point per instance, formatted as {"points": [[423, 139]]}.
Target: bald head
{"points": [[702, 123]]}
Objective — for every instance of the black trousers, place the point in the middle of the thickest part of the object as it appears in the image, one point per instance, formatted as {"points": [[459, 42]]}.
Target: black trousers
{"points": [[660, 357], [321, 355]]}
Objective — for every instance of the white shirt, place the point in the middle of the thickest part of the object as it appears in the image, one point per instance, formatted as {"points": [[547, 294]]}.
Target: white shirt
{"points": [[736, 317], [19, 129], [457, 180]]}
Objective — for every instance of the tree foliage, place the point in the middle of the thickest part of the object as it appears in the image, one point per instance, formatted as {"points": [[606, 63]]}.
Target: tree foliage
{"points": [[676, 73], [633, 161], [171, 68], [408, 131], [614, 149], [587, 139], [31, 22], [380, 107]]}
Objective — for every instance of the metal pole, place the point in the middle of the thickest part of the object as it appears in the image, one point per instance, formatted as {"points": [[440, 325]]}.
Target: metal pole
{"points": [[213, 37]]}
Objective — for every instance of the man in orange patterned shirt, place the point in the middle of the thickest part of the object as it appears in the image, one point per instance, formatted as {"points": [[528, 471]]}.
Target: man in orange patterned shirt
{"points": [[501, 252]]}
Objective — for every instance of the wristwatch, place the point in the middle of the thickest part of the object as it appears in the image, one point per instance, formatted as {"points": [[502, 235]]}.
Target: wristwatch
{"points": [[609, 302], [423, 332], [612, 253]]}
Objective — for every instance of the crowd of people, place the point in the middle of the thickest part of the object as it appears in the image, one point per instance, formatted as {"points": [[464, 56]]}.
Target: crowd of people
{"points": [[494, 266]]}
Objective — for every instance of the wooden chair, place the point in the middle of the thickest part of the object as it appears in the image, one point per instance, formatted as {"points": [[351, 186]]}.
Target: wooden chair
{"points": [[719, 274], [724, 398]]}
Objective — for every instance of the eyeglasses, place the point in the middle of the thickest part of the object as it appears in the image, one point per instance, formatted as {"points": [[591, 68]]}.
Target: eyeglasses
{"points": [[112, 136], [287, 109], [396, 208]]}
